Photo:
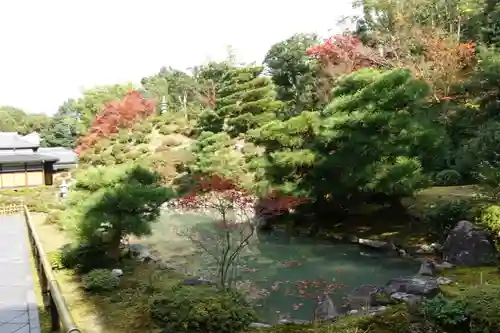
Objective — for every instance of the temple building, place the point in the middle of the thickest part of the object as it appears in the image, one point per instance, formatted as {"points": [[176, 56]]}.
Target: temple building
{"points": [[24, 163]]}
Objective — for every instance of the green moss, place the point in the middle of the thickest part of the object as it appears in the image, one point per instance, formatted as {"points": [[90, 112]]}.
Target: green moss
{"points": [[465, 277]]}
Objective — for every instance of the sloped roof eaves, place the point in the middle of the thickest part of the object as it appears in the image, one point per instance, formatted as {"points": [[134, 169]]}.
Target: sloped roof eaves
{"points": [[64, 166], [18, 158], [13, 141], [65, 156]]}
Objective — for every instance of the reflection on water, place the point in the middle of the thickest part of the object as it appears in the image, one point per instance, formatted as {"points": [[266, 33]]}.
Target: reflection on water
{"points": [[281, 272]]}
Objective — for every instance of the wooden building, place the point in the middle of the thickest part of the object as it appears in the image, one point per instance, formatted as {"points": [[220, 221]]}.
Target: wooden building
{"points": [[22, 163]]}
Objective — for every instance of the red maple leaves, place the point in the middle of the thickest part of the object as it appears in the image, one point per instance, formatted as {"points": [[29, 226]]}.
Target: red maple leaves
{"points": [[115, 116], [343, 54], [221, 194]]}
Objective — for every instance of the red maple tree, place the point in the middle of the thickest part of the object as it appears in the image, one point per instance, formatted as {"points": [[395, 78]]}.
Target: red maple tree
{"points": [[115, 116], [343, 54], [235, 215]]}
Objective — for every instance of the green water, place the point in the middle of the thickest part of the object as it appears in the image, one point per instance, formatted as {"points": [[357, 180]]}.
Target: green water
{"points": [[283, 273]]}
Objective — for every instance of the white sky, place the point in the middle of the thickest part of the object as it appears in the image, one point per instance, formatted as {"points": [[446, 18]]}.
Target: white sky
{"points": [[52, 49]]}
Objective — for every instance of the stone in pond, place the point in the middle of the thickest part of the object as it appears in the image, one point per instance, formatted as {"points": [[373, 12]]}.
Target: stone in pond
{"points": [[469, 245], [427, 268], [289, 321], [375, 244], [416, 285], [325, 310], [259, 325], [366, 295]]}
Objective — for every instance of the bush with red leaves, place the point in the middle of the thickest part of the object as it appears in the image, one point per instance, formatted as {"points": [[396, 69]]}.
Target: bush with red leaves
{"points": [[343, 54], [117, 115]]}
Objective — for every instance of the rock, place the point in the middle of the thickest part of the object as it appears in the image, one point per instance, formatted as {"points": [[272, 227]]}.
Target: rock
{"points": [[288, 321], [416, 285], [117, 272], [325, 310], [403, 253], [427, 268], [407, 298], [443, 265], [425, 249], [374, 243], [366, 295], [429, 249], [139, 249], [444, 280], [437, 247], [374, 310], [259, 325], [469, 245]]}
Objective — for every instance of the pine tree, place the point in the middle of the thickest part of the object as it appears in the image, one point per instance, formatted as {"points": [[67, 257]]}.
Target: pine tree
{"points": [[246, 100], [365, 144]]}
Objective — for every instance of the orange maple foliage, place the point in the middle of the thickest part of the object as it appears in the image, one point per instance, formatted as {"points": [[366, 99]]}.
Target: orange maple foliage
{"points": [[117, 115], [444, 64]]}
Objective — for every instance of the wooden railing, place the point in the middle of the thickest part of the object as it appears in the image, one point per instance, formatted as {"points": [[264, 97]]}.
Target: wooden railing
{"points": [[52, 296]]}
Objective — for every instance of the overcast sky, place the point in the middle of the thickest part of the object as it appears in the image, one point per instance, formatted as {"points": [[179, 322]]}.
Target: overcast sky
{"points": [[52, 49]]}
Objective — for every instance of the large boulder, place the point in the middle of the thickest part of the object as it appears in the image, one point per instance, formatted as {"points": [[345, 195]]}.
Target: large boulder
{"points": [[426, 286], [469, 245]]}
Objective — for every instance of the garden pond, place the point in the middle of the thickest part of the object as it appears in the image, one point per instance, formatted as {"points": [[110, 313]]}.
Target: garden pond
{"points": [[281, 273]]}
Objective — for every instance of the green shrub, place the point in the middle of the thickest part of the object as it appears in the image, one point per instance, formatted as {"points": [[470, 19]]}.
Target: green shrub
{"points": [[54, 217], [84, 258], [132, 155], [394, 320], [443, 216], [446, 313], [100, 280], [124, 137], [168, 129], [490, 218], [189, 309], [55, 260], [141, 138], [448, 177], [483, 308]]}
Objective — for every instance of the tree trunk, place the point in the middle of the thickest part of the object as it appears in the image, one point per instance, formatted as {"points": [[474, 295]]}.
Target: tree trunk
{"points": [[114, 246]]}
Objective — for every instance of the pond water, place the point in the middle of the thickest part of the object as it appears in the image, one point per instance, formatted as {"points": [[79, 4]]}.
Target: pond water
{"points": [[282, 273]]}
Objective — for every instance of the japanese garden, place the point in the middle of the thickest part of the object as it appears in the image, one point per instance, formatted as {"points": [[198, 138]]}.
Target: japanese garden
{"points": [[345, 184]]}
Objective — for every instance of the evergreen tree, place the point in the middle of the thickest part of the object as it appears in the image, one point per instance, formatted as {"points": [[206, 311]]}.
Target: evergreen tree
{"points": [[245, 100], [365, 144]]}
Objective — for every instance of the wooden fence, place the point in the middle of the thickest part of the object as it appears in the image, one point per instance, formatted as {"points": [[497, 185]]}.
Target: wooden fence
{"points": [[52, 296]]}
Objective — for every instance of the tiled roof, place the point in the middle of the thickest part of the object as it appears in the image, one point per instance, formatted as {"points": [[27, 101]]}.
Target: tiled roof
{"points": [[20, 158], [65, 155], [14, 140]]}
